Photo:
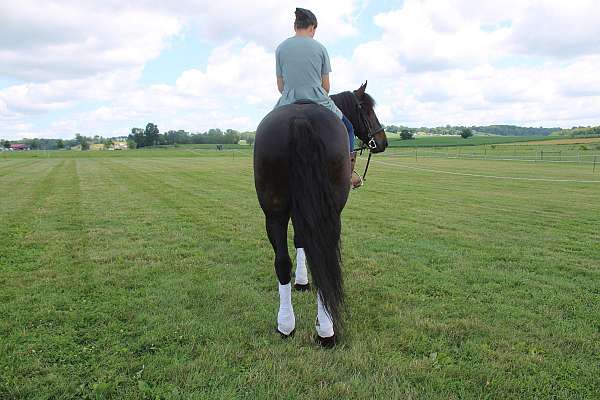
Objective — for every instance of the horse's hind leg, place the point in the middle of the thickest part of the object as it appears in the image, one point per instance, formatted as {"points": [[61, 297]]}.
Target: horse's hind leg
{"points": [[301, 280], [277, 232]]}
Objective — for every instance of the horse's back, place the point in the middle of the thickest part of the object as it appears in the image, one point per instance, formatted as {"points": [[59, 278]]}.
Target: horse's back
{"points": [[273, 132], [274, 156]]}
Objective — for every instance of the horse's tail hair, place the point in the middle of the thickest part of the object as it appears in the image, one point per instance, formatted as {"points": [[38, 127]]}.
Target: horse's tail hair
{"points": [[316, 214]]}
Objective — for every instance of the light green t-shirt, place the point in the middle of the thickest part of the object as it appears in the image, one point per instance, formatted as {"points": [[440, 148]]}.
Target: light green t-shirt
{"points": [[301, 61]]}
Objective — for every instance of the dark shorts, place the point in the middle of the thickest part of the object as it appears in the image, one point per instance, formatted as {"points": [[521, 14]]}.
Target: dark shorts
{"points": [[350, 130]]}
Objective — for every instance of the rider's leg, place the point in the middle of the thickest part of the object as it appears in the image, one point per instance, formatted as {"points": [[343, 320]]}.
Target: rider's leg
{"points": [[350, 130], [355, 179]]}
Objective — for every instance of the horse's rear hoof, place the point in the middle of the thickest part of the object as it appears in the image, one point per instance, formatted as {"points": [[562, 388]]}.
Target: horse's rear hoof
{"points": [[283, 335], [302, 288], [326, 342]]}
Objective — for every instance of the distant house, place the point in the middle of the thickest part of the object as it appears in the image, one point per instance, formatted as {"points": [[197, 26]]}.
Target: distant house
{"points": [[19, 146], [120, 145]]}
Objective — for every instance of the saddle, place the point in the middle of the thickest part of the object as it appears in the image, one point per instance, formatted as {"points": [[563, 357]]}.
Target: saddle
{"points": [[304, 101]]}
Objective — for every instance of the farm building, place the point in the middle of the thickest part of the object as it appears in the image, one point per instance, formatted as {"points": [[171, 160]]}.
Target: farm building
{"points": [[121, 145], [19, 146]]}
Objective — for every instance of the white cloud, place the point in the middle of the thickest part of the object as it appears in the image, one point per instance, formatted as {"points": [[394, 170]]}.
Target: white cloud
{"points": [[267, 21], [47, 40], [557, 28], [34, 98], [491, 95], [458, 61], [461, 61], [237, 77], [423, 36]]}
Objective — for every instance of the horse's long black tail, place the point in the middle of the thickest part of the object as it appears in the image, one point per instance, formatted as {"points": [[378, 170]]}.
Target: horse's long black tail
{"points": [[315, 214]]}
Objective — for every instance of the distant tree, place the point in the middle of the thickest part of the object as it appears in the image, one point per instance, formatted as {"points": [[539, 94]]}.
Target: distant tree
{"points": [[250, 140], [60, 144], [131, 144], [151, 134], [405, 134], [170, 137], [108, 143], [35, 144], [6, 144], [137, 136], [84, 142], [232, 136], [392, 129], [466, 133]]}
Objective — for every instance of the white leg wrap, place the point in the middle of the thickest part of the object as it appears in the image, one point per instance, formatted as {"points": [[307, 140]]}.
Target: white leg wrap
{"points": [[324, 323], [286, 321], [301, 272]]}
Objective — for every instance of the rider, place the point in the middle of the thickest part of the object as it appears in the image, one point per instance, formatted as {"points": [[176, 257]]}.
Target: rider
{"points": [[303, 69]]}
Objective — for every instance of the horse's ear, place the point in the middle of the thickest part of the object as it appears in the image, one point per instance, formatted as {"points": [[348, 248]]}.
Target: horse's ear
{"points": [[361, 90]]}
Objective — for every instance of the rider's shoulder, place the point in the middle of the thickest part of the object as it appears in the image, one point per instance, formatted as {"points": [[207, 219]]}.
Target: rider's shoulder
{"points": [[287, 41], [319, 45]]}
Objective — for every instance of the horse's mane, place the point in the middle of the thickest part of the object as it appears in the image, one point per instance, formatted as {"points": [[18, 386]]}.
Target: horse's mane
{"points": [[368, 100], [346, 103]]}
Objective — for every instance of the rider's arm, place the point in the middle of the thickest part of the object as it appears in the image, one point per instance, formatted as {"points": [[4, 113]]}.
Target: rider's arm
{"points": [[325, 70], [325, 82], [278, 71]]}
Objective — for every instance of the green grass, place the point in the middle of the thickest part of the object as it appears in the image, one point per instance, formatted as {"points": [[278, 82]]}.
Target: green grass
{"points": [[148, 274], [445, 141]]}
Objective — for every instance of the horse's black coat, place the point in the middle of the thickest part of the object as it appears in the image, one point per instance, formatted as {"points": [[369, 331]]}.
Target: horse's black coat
{"points": [[302, 172]]}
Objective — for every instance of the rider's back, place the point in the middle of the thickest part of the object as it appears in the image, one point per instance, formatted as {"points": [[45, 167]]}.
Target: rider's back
{"points": [[301, 62]]}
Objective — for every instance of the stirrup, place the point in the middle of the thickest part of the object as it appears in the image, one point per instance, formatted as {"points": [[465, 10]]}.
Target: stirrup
{"points": [[359, 177]]}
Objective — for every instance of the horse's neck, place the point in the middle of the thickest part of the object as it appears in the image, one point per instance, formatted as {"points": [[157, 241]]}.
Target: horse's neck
{"points": [[342, 103]]}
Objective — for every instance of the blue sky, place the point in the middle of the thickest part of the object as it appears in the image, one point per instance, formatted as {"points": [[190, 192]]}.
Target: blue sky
{"points": [[104, 67]]}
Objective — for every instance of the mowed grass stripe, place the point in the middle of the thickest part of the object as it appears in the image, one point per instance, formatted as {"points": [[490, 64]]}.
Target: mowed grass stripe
{"points": [[40, 309], [20, 182], [530, 225], [171, 292], [484, 211], [433, 208], [22, 205], [12, 166], [543, 193]]}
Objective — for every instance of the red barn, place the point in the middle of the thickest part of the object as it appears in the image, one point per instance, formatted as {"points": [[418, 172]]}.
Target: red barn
{"points": [[19, 146]]}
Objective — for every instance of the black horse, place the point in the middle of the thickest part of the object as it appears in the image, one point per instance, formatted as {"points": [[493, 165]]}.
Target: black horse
{"points": [[302, 171]]}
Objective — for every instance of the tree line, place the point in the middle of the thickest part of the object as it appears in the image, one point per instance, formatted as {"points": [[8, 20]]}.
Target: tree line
{"points": [[579, 131], [138, 138], [151, 136], [501, 130]]}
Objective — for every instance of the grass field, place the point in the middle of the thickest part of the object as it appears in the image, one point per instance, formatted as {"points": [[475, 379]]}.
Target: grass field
{"points": [[148, 274], [445, 141], [581, 140]]}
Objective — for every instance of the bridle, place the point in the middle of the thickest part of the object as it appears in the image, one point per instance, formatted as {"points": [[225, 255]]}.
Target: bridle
{"points": [[368, 142]]}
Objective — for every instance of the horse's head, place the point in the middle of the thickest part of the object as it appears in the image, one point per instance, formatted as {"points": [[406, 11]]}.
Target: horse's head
{"points": [[369, 130]]}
